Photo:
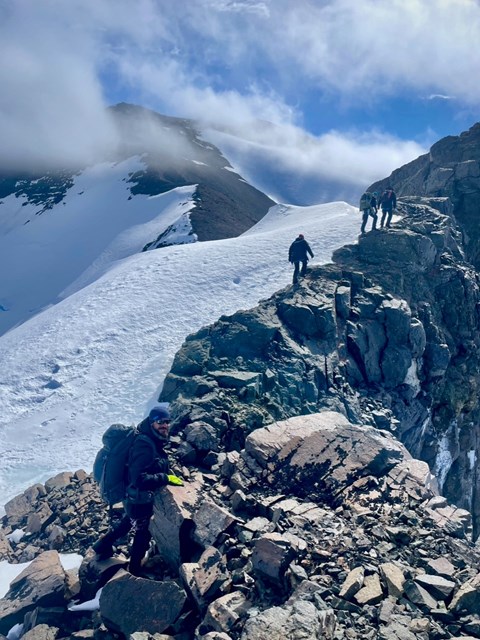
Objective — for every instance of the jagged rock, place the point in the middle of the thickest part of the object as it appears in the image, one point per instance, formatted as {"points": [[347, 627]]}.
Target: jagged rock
{"points": [[6, 551], [398, 629], [41, 632], [272, 554], [210, 521], [371, 592], [419, 595], [202, 436], [59, 481], [300, 621], [467, 598], [174, 508], [225, 612], [18, 508], [56, 536], [441, 567], [205, 578], [129, 604], [324, 453], [353, 583], [439, 587], [394, 579], [143, 635], [57, 617], [94, 573], [42, 583], [38, 520], [458, 522]]}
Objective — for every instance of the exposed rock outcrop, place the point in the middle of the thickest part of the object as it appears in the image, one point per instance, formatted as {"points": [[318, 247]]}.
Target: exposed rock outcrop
{"points": [[317, 528], [388, 335], [451, 169]]}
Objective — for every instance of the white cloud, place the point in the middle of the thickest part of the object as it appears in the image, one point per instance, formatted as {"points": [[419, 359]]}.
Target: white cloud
{"points": [[240, 6], [439, 96], [226, 60], [355, 47], [51, 104], [350, 158]]}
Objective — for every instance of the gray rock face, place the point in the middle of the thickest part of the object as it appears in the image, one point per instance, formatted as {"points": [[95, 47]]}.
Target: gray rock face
{"points": [[361, 557], [42, 583], [300, 621], [322, 454], [132, 604], [451, 169], [388, 335]]}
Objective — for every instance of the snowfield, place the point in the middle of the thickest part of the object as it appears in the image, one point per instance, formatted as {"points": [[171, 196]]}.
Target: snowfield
{"points": [[100, 355]]}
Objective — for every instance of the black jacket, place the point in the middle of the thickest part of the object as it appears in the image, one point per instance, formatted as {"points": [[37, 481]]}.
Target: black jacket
{"points": [[388, 200], [298, 250], [147, 464]]}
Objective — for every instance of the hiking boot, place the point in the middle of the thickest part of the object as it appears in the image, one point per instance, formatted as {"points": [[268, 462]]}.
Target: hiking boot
{"points": [[103, 549], [136, 569]]}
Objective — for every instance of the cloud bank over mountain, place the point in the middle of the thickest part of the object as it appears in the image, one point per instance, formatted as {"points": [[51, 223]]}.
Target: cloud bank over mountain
{"points": [[232, 63]]}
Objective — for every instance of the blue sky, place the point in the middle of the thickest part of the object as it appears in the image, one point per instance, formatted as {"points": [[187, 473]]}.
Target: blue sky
{"points": [[366, 85]]}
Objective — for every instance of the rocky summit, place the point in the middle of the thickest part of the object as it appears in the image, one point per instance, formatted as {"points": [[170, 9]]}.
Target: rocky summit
{"points": [[388, 335], [307, 430]]}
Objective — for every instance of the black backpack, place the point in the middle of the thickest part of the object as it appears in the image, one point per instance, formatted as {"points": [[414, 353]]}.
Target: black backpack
{"points": [[111, 462]]}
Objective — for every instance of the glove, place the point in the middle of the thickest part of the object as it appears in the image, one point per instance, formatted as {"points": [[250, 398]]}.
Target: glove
{"points": [[175, 480]]}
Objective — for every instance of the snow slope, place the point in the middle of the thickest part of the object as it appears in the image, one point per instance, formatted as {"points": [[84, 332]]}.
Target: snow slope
{"points": [[96, 223], [101, 354]]}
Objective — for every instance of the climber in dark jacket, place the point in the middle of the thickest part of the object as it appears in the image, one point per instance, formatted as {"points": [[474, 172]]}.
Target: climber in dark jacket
{"points": [[298, 253], [388, 202], [148, 470]]}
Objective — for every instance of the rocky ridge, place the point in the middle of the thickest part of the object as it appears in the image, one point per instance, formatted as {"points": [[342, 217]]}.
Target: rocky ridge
{"points": [[245, 552], [387, 334], [451, 169], [304, 514]]}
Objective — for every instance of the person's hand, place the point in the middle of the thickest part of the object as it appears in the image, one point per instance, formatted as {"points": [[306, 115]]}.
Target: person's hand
{"points": [[175, 480]]}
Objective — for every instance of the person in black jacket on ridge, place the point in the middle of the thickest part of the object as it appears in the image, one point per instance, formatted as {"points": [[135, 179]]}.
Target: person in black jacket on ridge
{"points": [[148, 469], [298, 254], [388, 202]]}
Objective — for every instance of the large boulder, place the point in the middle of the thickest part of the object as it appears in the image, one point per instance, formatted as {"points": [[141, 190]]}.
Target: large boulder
{"points": [[42, 583], [129, 604], [322, 454]]}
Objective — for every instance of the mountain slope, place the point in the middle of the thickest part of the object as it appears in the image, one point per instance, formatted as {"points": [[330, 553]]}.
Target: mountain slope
{"points": [[159, 185], [100, 355]]}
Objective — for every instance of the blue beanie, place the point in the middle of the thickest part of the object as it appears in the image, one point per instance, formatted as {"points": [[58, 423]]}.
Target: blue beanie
{"points": [[159, 414]]}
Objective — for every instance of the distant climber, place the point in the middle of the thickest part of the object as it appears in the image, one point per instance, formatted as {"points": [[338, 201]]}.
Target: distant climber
{"points": [[147, 470], [368, 207], [298, 253], [388, 202]]}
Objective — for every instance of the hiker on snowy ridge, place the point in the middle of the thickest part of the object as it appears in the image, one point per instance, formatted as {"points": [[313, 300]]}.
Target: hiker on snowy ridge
{"points": [[388, 202], [297, 254], [148, 469], [368, 207]]}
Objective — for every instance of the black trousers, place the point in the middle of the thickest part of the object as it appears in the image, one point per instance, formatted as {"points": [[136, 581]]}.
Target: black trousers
{"points": [[386, 213], [136, 520], [297, 271], [365, 215]]}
